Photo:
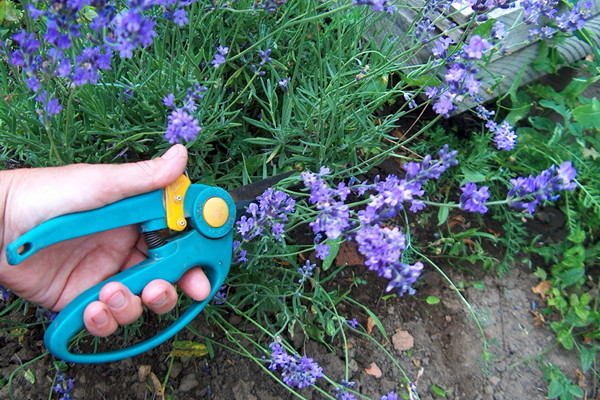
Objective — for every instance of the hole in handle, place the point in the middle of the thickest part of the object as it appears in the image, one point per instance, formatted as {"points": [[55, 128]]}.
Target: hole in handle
{"points": [[24, 248]]}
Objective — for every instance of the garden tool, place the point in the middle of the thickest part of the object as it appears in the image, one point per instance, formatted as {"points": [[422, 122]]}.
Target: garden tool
{"points": [[184, 225]]}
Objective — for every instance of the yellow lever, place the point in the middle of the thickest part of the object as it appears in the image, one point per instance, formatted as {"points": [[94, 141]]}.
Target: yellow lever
{"points": [[173, 197]]}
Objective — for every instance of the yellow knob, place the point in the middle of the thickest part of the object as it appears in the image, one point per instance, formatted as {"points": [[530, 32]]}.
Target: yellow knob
{"points": [[215, 212]]}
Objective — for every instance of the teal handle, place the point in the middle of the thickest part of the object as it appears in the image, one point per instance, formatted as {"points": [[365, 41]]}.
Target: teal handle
{"points": [[136, 209], [204, 245], [168, 262]]}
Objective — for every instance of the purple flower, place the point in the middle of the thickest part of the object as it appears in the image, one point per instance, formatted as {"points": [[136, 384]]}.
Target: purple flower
{"points": [[180, 17], [87, 65], [5, 293], [169, 100], [353, 323], [219, 57], [182, 126], [499, 31], [322, 251], [306, 271], [272, 207], [528, 193], [264, 57], [534, 9], [299, 372], [392, 193], [440, 47], [240, 254], [574, 20], [444, 104], [221, 295], [269, 5], [456, 73], [63, 386], [390, 396], [131, 30], [50, 106], [504, 136], [477, 45], [382, 248], [473, 199], [334, 216], [376, 5], [284, 83]]}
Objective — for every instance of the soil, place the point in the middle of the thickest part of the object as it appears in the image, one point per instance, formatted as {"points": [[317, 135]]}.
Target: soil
{"points": [[446, 352]]}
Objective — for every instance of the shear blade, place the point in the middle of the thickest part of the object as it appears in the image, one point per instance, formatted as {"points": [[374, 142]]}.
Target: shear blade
{"points": [[244, 195]]}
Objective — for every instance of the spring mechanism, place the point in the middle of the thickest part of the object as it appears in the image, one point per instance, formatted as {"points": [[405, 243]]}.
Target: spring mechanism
{"points": [[153, 239]]}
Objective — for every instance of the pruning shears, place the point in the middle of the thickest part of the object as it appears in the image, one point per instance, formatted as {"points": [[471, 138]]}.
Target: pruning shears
{"points": [[200, 221]]}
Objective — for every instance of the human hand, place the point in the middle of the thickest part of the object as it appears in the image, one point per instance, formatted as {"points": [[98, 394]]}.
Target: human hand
{"points": [[57, 274]]}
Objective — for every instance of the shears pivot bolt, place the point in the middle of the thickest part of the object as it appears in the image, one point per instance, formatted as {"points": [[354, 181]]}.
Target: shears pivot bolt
{"points": [[215, 212]]}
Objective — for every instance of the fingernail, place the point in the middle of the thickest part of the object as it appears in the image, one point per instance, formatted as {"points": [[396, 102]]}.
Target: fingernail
{"points": [[159, 301], [171, 153], [100, 319], [117, 300]]}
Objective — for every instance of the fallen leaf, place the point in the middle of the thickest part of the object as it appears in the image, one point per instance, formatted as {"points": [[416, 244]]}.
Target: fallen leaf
{"points": [[143, 372], [581, 380], [470, 243], [374, 371], [456, 220], [403, 340], [159, 390], [370, 325], [538, 319], [493, 232], [188, 348], [542, 288]]}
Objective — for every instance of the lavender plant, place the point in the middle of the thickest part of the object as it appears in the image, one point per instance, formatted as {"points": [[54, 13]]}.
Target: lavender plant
{"points": [[254, 88]]}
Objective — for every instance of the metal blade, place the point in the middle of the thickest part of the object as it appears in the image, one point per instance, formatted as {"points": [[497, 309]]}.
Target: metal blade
{"points": [[244, 195]]}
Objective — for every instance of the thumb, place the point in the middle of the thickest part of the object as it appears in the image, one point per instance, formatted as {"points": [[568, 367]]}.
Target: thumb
{"points": [[41, 194], [105, 184]]}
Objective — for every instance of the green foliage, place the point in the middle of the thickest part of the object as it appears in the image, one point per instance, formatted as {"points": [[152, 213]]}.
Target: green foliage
{"points": [[559, 386], [346, 93]]}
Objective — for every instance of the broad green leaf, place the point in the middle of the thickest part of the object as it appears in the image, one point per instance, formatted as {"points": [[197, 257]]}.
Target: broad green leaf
{"points": [[571, 276], [443, 215], [555, 389], [432, 300], [484, 29], [588, 115], [587, 356], [566, 339], [334, 245], [576, 391]]}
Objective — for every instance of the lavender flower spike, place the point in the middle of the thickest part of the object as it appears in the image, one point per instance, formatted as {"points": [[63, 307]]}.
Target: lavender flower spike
{"points": [[472, 199], [504, 136], [297, 371], [528, 193]]}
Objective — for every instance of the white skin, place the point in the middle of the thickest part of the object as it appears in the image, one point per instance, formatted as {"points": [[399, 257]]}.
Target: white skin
{"points": [[55, 275]]}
